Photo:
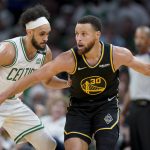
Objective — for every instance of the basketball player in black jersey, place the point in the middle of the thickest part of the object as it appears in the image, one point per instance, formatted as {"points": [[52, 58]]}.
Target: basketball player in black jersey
{"points": [[93, 68]]}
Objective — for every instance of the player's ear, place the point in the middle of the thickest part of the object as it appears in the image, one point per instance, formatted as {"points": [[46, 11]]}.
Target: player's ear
{"points": [[29, 32], [98, 34]]}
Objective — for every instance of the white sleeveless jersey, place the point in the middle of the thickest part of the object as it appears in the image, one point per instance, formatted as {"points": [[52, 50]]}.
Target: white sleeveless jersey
{"points": [[139, 83], [21, 66]]}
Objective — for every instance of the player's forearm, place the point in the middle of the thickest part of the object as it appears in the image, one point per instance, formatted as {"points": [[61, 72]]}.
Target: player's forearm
{"points": [[145, 69], [140, 66], [17, 87], [13, 90], [36, 77], [57, 83], [21, 85]]}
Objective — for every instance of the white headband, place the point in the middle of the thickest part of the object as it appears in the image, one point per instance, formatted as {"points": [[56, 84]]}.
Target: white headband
{"points": [[36, 23]]}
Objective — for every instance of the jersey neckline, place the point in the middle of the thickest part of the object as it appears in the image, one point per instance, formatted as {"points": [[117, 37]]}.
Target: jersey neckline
{"points": [[24, 51], [100, 58]]}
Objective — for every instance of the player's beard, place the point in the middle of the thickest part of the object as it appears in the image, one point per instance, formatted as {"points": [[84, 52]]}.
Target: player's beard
{"points": [[36, 45], [87, 48]]}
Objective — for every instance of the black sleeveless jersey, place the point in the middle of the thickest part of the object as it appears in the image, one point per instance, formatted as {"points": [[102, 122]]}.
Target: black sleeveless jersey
{"points": [[97, 82]]}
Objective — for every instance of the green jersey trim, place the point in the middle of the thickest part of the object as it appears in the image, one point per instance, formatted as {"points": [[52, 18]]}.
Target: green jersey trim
{"points": [[33, 129], [24, 51], [12, 97], [43, 59], [16, 56]]}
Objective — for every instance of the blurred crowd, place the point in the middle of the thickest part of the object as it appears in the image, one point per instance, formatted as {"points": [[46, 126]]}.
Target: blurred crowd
{"points": [[119, 18]]}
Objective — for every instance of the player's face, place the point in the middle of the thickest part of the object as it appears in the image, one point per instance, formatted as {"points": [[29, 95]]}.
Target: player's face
{"points": [[141, 40], [86, 37], [40, 36]]}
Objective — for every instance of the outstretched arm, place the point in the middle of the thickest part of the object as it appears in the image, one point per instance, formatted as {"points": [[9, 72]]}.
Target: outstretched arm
{"points": [[46, 72], [54, 82], [26, 82], [123, 56]]}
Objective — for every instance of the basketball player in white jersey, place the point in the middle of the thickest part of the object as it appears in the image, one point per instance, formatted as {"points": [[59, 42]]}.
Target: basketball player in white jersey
{"points": [[19, 57]]}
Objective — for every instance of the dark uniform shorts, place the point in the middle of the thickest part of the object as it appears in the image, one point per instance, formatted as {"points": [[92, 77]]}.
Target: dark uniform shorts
{"points": [[87, 119]]}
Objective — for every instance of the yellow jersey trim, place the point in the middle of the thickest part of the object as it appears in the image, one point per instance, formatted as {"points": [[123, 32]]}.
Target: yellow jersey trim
{"points": [[75, 58], [78, 133], [102, 53], [111, 58], [109, 128]]}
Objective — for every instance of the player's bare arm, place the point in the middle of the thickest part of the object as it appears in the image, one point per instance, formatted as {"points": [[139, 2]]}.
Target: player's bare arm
{"points": [[63, 63], [54, 82], [7, 54], [123, 56]]}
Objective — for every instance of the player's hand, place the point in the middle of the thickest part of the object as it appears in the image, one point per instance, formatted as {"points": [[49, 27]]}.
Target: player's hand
{"points": [[69, 82]]}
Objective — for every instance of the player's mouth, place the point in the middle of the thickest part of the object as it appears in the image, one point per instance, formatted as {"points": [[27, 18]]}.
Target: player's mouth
{"points": [[80, 46], [43, 44]]}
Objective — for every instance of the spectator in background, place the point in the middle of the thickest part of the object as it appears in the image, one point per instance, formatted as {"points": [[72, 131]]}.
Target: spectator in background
{"points": [[130, 9], [55, 120], [36, 95], [110, 34], [5, 23], [139, 94], [127, 33], [128, 15], [18, 6], [99, 8], [5, 142]]}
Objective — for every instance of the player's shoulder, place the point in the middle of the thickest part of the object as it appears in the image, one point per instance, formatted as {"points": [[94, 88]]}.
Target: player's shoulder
{"points": [[118, 50], [7, 53], [6, 48], [122, 56], [65, 58]]}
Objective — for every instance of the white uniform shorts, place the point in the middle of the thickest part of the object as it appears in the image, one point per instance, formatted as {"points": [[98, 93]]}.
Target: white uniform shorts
{"points": [[18, 120]]}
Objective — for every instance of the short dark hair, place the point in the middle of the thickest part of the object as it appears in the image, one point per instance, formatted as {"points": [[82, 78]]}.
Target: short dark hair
{"points": [[33, 13], [94, 21]]}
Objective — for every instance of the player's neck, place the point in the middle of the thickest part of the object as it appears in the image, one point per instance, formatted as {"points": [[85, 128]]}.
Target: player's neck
{"points": [[29, 48], [95, 52]]}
